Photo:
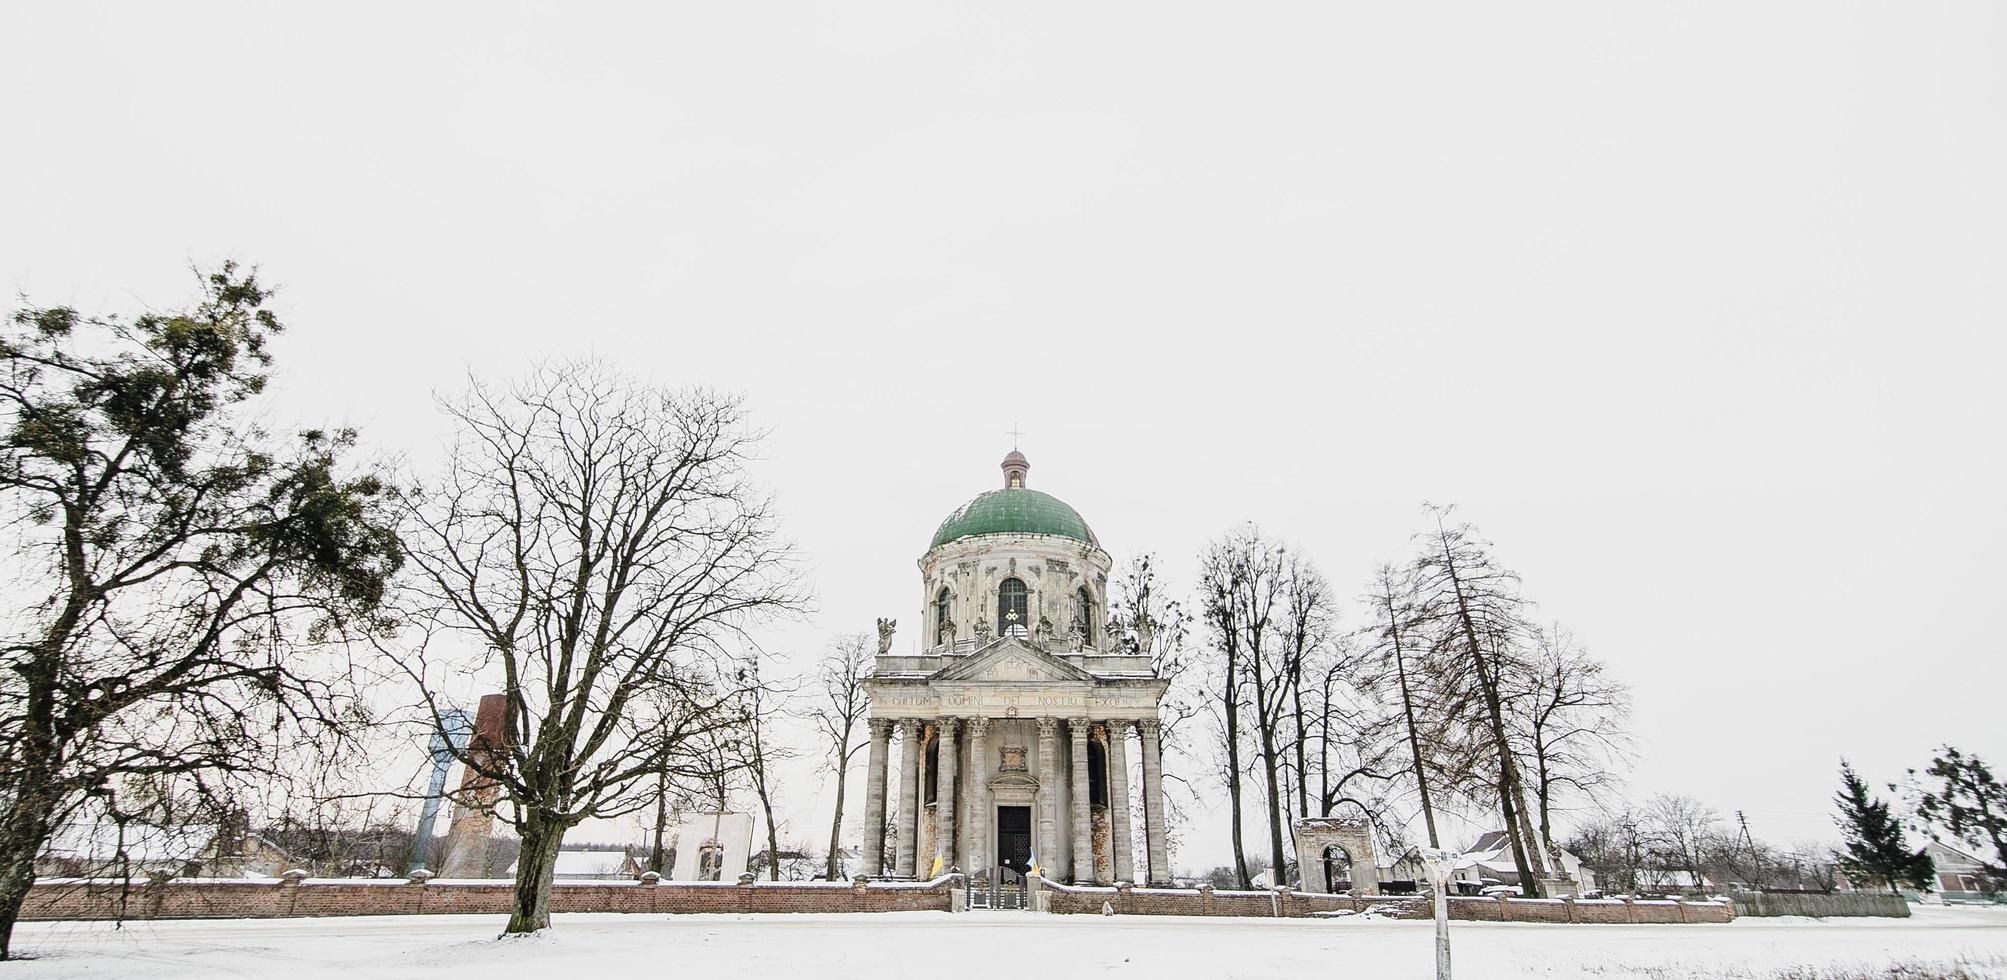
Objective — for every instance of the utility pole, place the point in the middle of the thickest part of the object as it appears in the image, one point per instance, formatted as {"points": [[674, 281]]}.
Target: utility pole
{"points": [[1755, 858]]}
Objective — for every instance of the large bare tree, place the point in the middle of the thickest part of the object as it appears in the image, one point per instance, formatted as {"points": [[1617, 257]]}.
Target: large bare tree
{"points": [[594, 542], [758, 749], [1307, 633], [1397, 650], [1223, 575], [1571, 724], [840, 708], [1474, 606], [1153, 623], [182, 570]]}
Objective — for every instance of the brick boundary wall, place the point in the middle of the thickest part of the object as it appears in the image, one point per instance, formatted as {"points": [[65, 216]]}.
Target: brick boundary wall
{"points": [[1288, 903], [299, 897]]}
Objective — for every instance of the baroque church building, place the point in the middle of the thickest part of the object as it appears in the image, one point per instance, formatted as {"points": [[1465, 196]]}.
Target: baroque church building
{"points": [[1017, 717]]}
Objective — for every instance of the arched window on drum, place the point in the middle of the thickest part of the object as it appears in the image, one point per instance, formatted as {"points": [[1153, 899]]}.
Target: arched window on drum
{"points": [[1013, 608], [1083, 614], [944, 625]]}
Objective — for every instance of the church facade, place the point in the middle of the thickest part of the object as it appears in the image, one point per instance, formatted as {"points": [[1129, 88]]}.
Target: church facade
{"points": [[1018, 714]]}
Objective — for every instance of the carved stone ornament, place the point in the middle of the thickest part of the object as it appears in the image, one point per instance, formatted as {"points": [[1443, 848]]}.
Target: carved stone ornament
{"points": [[982, 629], [1013, 759], [885, 630]]}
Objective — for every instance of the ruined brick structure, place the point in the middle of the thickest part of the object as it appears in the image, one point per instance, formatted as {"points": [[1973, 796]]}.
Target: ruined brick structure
{"points": [[466, 849]]}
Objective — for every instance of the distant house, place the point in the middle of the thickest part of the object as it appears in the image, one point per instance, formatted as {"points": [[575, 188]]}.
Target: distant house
{"points": [[1962, 877], [593, 866], [219, 850], [1486, 861]]}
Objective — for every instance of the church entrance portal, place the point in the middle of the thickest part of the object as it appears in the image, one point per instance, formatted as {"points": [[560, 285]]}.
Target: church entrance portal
{"points": [[1014, 838]]}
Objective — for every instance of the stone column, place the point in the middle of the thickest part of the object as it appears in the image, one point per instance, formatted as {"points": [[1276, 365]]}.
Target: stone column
{"points": [[1048, 794], [944, 799], [1118, 799], [979, 799], [909, 794], [1153, 801], [874, 798], [1083, 823]]}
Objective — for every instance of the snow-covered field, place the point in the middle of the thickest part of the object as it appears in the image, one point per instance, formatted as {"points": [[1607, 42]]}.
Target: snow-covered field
{"points": [[982, 945]]}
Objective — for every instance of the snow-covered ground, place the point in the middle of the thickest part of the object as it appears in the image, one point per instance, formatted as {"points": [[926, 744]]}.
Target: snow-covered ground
{"points": [[982, 945]]}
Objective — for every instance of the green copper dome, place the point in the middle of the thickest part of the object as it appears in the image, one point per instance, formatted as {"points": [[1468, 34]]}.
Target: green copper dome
{"points": [[1014, 510]]}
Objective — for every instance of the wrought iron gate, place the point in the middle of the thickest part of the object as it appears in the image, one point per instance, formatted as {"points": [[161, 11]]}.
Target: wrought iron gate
{"points": [[997, 888]]}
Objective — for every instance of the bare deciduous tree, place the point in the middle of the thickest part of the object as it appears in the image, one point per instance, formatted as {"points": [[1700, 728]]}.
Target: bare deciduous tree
{"points": [[1153, 623], [1473, 605], [841, 705], [595, 541], [1571, 720], [758, 750], [1397, 650]]}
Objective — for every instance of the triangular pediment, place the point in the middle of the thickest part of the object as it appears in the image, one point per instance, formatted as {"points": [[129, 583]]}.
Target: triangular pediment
{"points": [[1010, 659]]}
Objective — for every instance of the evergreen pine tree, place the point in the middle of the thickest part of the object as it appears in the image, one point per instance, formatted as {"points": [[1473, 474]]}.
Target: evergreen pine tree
{"points": [[1875, 849]]}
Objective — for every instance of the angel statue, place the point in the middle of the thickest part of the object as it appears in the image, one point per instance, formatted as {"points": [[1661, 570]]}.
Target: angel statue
{"points": [[885, 628]]}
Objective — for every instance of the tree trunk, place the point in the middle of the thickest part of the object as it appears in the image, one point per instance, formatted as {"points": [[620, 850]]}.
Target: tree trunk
{"points": [[1277, 803], [773, 841], [1414, 735], [835, 867], [1508, 772], [24, 831], [1413, 744], [1233, 781], [661, 817], [1302, 754], [26, 824], [536, 867]]}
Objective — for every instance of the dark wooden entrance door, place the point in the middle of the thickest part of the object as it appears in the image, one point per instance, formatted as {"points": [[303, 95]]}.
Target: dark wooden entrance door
{"points": [[1014, 838]]}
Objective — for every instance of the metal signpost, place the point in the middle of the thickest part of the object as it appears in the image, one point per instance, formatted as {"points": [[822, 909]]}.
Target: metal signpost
{"points": [[451, 734], [1441, 865]]}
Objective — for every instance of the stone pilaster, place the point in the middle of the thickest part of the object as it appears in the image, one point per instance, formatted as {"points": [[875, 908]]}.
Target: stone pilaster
{"points": [[944, 799], [909, 794], [1083, 826], [1048, 794], [1118, 799], [979, 799], [873, 851], [1151, 731]]}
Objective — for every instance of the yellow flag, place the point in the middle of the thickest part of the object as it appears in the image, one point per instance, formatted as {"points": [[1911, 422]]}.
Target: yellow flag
{"points": [[936, 873]]}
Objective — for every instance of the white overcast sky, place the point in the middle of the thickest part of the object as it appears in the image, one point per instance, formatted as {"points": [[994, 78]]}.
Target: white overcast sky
{"points": [[1695, 308]]}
